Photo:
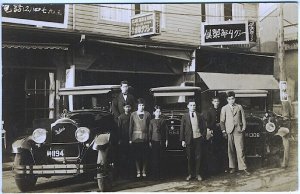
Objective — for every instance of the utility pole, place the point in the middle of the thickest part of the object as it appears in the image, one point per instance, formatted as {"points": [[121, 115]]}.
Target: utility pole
{"points": [[286, 106]]}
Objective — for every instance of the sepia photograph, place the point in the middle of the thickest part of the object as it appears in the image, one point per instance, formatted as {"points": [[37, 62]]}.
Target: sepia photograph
{"points": [[157, 96]]}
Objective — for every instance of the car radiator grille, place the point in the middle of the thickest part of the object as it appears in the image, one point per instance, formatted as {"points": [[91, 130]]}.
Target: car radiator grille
{"points": [[63, 133]]}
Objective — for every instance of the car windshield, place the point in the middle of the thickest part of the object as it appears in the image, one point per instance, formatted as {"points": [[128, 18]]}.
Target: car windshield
{"points": [[101, 101], [252, 103], [172, 102]]}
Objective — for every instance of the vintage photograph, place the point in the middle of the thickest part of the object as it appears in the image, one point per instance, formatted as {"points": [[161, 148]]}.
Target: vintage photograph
{"points": [[149, 97]]}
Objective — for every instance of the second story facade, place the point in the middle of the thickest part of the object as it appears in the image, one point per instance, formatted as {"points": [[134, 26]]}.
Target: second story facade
{"points": [[180, 23]]}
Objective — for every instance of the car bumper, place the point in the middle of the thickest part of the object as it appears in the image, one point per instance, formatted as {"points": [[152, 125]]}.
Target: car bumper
{"points": [[55, 169]]}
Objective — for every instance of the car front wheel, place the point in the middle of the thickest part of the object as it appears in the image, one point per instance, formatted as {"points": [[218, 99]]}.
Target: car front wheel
{"points": [[24, 182]]}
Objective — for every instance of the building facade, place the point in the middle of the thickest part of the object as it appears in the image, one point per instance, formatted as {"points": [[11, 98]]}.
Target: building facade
{"points": [[96, 41]]}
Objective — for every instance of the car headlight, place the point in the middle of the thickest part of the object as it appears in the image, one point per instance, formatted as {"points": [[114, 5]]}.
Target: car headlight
{"points": [[270, 127], [39, 135], [82, 134]]}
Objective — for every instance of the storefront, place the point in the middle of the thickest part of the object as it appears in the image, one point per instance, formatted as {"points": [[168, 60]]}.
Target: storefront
{"points": [[35, 64], [218, 70]]}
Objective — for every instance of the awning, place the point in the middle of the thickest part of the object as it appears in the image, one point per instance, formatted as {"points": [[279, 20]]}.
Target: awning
{"points": [[84, 90], [224, 81], [248, 93], [171, 52], [40, 46]]}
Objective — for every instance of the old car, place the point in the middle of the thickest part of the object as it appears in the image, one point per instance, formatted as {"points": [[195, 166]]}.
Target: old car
{"points": [[74, 144], [266, 134], [173, 101]]}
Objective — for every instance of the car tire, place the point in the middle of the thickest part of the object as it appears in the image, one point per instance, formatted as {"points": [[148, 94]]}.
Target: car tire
{"points": [[24, 182]]}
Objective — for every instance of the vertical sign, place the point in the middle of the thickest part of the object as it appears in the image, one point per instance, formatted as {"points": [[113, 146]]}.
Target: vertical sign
{"points": [[283, 91], [51, 95], [70, 82], [252, 31]]}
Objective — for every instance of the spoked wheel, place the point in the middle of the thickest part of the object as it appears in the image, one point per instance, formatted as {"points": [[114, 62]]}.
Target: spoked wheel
{"points": [[23, 181]]}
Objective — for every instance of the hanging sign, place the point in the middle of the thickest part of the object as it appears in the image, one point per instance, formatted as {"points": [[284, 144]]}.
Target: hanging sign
{"points": [[224, 33], [145, 25]]}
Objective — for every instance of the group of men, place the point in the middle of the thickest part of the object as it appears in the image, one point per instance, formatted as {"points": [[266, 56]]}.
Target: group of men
{"points": [[219, 129]]}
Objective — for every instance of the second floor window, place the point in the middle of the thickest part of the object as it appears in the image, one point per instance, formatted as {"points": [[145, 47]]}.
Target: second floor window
{"points": [[155, 7], [203, 13], [115, 12], [227, 11]]}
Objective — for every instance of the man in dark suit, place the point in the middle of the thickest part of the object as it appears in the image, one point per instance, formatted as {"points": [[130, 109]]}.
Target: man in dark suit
{"points": [[117, 109], [192, 136], [217, 158], [123, 97], [232, 120]]}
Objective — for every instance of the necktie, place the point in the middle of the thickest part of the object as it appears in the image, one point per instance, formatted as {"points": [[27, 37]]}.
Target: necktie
{"points": [[192, 114]]}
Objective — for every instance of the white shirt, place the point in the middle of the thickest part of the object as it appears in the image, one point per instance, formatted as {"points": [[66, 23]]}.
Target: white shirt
{"points": [[125, 96], [195, 125]]}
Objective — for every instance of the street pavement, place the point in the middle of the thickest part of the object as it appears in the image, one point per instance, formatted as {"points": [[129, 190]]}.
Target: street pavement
{"points": [[263, 179]]}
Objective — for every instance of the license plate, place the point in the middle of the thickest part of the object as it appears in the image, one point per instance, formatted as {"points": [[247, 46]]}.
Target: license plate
{"points": [[55, 153]]}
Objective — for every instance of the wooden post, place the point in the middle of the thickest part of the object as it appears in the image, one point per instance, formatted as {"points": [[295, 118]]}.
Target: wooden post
{"points": [[286, 105]]}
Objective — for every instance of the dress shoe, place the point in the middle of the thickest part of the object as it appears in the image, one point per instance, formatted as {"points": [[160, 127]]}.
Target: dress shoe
{"points": [[232, 171], [144, 174], [138, 175], [188, 178], [199, 178], [246, 172]]}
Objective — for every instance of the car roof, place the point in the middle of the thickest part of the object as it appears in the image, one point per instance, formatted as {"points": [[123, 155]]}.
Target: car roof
{"points": [[84, 90], [175, 89]]}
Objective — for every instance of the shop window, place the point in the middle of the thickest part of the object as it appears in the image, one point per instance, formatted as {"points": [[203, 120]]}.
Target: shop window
{"points": [[115, 12], [37, 90]]}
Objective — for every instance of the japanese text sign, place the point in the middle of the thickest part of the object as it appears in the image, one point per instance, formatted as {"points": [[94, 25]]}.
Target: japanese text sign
{"points": [[145, 25], [50, 15], [225, 33]]}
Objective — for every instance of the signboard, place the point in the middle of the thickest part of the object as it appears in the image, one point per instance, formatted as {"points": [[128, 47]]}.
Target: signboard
{"points": [[283, 91], [224, 33], [145, 25], [50, 15], [252, 31]]}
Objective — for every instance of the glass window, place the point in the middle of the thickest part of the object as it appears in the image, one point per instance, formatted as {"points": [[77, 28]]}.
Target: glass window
{"points": [[252, 103], [115, 12]]}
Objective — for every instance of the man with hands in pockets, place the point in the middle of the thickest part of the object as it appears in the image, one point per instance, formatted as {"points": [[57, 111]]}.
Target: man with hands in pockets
{"points": [[232, 120]]}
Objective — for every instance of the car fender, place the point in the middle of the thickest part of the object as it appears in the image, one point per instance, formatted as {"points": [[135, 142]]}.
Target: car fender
{"points": [[21, 144], [283, 133]]}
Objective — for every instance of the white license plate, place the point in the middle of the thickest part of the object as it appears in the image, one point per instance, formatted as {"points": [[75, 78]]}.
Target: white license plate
{"points": [[55, 153]]}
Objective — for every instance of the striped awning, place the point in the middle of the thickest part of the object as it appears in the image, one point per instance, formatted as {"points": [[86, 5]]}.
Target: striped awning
{"points": [[39, 46]]}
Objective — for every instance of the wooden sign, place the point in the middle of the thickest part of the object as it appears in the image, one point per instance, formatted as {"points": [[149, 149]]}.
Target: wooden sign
{"points": [[50, 15]]}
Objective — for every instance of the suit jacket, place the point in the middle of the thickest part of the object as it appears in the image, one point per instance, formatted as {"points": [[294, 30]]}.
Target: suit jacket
{"points": [[231, 119], [117, 106], [186, 130], [213, 117]]}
